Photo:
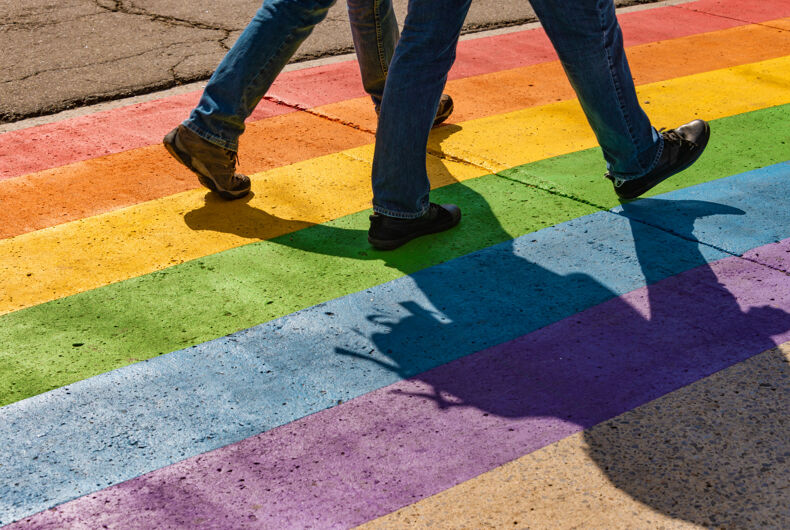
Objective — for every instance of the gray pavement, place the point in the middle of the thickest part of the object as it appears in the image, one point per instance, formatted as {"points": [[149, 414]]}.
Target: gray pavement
{"points": [[77, 52]]}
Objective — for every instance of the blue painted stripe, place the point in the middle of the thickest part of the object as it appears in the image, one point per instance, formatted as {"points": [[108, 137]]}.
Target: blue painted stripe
{"points": [[119, 425]]}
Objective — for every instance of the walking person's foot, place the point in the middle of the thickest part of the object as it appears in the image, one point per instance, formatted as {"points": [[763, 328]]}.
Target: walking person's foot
{"points": [[214, 166], [682, 147], [446, 107], [388, 233]]}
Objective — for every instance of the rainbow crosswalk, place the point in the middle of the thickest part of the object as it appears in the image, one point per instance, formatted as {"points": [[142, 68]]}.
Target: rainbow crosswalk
{"points": [[171, 360]]}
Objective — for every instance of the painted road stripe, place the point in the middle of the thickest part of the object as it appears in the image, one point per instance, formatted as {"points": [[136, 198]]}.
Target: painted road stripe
{"points": [[58, 196], [420, 436], [668, 461], [135, 126], [83, 255], [536, 84], [55, 344], [151, 414]]}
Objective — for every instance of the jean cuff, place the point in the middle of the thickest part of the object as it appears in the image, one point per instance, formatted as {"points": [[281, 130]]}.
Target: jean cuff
{"points": [[652, 165], [656, 158], [211, 138], [400, 215]]}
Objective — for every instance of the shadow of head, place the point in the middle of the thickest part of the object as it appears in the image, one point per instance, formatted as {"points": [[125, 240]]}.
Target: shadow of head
{"points": [[714, 453]]}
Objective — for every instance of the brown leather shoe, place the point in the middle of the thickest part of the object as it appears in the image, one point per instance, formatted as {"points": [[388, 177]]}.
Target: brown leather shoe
{"points": [[214, 166]]}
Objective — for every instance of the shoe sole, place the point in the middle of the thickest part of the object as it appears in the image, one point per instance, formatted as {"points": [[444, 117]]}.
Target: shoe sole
{"points": [[675, 171], [392, 244], [185, 160]]}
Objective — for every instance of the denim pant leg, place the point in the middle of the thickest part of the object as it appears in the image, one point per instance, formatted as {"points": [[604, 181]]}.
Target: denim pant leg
{"points": [[250, 67], [374, 29], [416, 78], [589, 42]]}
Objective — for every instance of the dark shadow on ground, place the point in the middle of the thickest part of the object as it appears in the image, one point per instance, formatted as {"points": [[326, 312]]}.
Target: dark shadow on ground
{"points": [[715, 453], [588, 369], [609, 358]]}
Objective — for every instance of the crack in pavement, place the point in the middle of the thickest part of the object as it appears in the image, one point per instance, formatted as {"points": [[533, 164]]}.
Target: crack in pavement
{"points": [[308, 110], [99, 63], [744, 21], [658, 227], [23, 26], [119, 6]]}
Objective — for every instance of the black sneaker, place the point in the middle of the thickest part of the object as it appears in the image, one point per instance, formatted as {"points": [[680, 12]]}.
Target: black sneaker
{"points": [[682, 147], [446, 107], [388, 233], [214, 166]]}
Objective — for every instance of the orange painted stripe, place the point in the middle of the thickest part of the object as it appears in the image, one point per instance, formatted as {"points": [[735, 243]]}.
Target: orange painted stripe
{"points": [[87, 188]]}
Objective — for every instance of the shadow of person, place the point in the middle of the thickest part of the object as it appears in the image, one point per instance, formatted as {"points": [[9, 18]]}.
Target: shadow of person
{"points": [[600, 355], [239, 218], [714, 453], [523, 331]]}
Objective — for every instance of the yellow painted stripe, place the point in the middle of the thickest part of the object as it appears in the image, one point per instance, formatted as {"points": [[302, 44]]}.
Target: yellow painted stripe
{"points": [[504, 141], [708, 455], [86, 254]]}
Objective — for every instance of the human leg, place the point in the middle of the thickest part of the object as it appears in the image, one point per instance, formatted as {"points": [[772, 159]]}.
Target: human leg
{"points": [[250, 67], [207, 141], [374, 30], [589, 42], [416, 77], [412, 94]]}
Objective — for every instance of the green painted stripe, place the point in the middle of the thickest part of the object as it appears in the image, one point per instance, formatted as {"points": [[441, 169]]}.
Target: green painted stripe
{"points": [[734, 148], [70, 339]]}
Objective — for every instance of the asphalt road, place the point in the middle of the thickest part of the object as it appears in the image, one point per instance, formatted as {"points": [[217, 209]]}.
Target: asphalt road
{"points": [[61, 55]]}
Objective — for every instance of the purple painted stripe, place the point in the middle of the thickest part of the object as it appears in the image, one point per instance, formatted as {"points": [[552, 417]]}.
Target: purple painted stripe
{"points": [[399, 444]]}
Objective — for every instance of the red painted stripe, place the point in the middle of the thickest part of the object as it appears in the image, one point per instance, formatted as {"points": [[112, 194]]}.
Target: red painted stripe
{"points": [[57, 144]]}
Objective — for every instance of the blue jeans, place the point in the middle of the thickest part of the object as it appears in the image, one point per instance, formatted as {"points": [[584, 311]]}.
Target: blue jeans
{"points": [[265, 47], [588, 40]]}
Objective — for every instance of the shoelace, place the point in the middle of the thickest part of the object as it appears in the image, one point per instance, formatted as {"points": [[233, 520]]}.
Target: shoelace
{"points": [[234, 155], [673, 136]]}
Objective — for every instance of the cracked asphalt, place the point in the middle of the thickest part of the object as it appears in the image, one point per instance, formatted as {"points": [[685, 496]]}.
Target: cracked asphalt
{"points": [[61, 55]]}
